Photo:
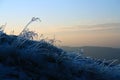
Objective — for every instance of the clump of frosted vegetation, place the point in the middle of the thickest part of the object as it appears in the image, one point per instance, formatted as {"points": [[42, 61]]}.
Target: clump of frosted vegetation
{"points": [[22, 58]]}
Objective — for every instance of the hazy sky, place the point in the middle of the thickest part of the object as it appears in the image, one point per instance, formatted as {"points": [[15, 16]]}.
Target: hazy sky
{"points": [[74, 22]]}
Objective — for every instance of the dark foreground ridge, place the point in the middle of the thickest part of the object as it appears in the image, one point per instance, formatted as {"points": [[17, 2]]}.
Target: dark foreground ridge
{"points": [[24, 59]]}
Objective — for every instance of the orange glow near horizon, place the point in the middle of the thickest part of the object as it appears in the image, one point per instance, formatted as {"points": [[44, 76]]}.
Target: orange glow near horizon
{"points": [[78, 38]]}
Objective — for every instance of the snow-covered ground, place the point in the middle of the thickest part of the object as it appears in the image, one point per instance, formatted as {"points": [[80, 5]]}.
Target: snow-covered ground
{"points": [[25, 59]]}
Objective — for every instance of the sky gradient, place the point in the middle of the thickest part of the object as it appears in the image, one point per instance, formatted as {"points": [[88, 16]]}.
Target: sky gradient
{"points": [[74, 22]]}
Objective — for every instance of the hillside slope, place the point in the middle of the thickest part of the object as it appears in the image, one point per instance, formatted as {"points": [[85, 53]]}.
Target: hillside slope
{"points": [[25, 59]]}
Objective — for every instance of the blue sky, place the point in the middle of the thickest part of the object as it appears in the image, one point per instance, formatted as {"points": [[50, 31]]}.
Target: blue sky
{"points": [[59, 14], [62, 12]]}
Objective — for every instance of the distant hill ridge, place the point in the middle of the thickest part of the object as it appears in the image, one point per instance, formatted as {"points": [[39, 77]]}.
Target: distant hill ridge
{"points": [[97, 52]]}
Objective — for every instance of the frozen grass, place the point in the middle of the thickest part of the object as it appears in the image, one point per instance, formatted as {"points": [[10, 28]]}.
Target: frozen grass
{"points": [[22, 58]]}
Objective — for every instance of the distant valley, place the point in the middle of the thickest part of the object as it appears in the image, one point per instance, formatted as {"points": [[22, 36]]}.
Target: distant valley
{"points": [[107, 53]]}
